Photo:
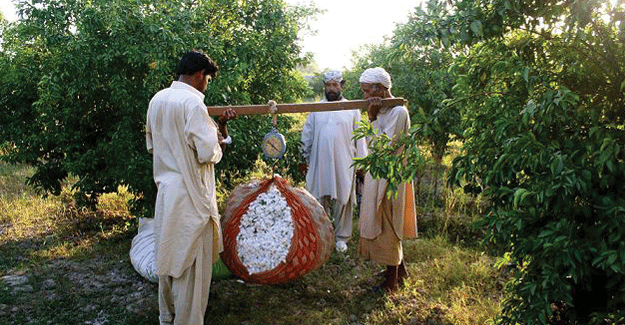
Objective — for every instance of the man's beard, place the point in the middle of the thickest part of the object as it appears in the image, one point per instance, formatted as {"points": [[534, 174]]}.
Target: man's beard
{"points": [[332, 96]]}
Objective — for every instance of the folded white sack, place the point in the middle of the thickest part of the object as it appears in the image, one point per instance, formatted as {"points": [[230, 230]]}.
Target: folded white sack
{"points": [[142, 250]]}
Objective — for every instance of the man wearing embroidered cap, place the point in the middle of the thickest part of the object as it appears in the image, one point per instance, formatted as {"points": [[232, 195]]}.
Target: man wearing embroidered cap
{"points": [[328, 149], [385, 222]]}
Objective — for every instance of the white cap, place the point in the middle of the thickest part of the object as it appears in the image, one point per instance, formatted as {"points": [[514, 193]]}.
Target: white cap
{"points": [[376, 76], [333, 75]]}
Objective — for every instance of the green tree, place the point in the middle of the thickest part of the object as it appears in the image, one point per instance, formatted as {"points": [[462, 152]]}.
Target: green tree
{"points": [[420, 75], [539, 88], [77, 77], [541, 92]]}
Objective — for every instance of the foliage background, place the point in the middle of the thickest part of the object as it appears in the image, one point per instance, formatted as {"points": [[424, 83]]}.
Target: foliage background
{"points": [[535, 91], [77, 76]]}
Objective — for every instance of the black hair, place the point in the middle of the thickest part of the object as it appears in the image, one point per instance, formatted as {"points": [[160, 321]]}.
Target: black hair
{"points": [[195, 61]]}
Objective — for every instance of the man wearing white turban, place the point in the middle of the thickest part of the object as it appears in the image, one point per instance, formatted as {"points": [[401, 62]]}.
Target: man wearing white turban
{"points": [[328, 149], [385, 222]]}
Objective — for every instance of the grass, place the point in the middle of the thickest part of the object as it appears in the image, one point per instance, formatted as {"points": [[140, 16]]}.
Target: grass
{"points": [[75, 269]]}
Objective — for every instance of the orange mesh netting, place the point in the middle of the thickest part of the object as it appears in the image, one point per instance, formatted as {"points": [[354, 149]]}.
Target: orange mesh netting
{"points": [[313, 235]]}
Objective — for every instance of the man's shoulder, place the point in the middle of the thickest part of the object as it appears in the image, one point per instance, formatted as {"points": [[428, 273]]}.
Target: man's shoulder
{"points": [[159, 97], [324, 100], [162, 91], [179, 98], [169, 91], [401, 110], [395, 113], [343, 112]]}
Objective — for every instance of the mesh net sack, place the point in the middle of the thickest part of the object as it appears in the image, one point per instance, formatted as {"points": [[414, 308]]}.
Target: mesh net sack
{"points": [[274, 233]]}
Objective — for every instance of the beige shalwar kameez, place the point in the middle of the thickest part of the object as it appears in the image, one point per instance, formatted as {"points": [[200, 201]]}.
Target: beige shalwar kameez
{"points": [[329, 150], [385, 222], [183, 140]]}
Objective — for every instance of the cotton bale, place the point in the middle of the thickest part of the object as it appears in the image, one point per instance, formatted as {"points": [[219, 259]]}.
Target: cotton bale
{"points": [[274, 233]]}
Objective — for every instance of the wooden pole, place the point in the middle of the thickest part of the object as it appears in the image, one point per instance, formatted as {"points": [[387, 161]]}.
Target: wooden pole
{"points": [[305, 107]]}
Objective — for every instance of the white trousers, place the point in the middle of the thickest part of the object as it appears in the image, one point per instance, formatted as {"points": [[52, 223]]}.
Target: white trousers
{"points": [[183, 300], [341, 215]]}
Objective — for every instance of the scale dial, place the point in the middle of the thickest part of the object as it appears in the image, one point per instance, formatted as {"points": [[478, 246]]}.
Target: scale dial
{"points": [[274, 145]]}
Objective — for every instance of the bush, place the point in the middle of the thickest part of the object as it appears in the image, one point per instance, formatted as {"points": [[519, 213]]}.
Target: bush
{"points": [[553, 168], [116, 203]]}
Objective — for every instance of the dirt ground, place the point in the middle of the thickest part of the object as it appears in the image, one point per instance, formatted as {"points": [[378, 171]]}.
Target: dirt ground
{"points": [[92, 287]]}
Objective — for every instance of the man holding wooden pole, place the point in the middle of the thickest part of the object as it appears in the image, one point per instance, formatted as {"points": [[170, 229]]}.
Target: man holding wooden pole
{"points": [[328, 149], [186, 143], [384, 221]]}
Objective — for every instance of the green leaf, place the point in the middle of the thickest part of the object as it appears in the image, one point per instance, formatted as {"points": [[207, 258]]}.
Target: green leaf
{"points": [[526, 72], [520, 195], [557, 165], [476, 28]]}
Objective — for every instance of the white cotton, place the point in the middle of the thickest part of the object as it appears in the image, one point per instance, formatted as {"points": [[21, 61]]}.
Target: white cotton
{"points": [[375, 76], [265, 233]]}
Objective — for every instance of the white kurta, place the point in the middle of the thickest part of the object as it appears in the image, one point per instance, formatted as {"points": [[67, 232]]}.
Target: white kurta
{"points": [[185, 146], [328, 147], [392, 122]]}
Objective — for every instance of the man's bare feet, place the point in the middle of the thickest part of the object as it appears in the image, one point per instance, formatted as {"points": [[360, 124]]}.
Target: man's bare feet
{"points": [[402, 273], [391, 282]]}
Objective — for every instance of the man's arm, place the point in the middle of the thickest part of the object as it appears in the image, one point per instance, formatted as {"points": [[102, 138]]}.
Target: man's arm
{"points": [[148, 141], [359, 144], [148, 134], [202, 135], [222, 121], [307, 139]]}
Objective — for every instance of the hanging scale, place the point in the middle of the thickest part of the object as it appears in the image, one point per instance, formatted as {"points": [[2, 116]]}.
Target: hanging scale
{"points": [[273, 144]]}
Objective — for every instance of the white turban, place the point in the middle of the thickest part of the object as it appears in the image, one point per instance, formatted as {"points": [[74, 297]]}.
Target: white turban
{"points": [[376, 76], [333, 75]]}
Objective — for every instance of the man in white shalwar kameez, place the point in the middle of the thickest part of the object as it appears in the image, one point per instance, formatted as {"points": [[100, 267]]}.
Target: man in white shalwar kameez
{"points": [[328, 149], [385, 222], [186, 143]]}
